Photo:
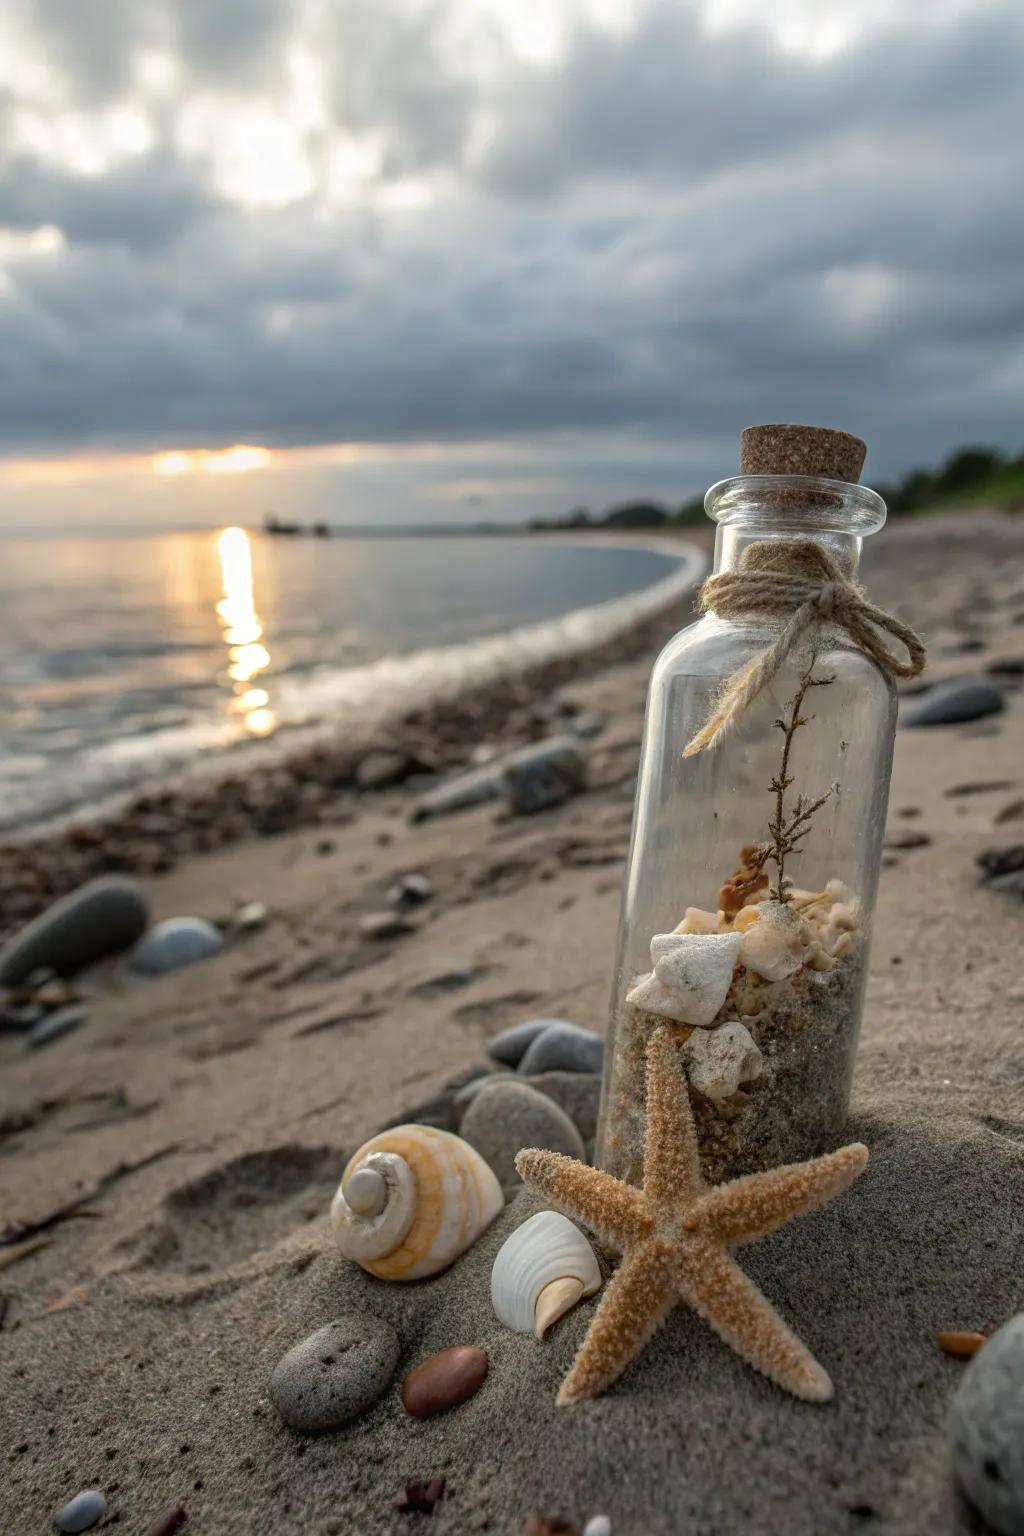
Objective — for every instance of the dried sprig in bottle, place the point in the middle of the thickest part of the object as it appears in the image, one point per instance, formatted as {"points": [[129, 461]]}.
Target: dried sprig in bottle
{"points": [[760, 812]]}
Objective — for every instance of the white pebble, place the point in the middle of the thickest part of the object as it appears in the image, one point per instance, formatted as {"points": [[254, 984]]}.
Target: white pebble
{"points": [[598, 1525]]}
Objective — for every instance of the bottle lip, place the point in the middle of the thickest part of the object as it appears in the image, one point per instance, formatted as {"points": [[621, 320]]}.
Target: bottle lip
{"points": [[797, 503]]}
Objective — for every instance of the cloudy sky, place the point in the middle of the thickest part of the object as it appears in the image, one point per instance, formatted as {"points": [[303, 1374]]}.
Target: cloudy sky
{"points": [[448, 259]]}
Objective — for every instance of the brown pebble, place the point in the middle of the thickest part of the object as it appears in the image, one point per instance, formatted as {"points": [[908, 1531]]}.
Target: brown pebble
{"points": [[961, 1345], [421, 1495], [170, 1521], [444, 1381], [552, 1525]]}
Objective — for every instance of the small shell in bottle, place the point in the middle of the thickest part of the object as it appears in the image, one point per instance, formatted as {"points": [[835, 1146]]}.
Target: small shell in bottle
{"points": [[411, 1201], [541, 1272], [777, 944]]}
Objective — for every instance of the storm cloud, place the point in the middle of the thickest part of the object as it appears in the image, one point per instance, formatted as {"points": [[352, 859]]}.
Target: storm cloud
{"points": [[391, 221]]}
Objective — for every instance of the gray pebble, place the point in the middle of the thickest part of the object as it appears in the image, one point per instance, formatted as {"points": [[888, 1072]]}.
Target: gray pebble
{"points": [[577, 1093], [97, 920], [986, 1429], [335, 1374], [53, 1025], [174, 943], [564, 1048], [410, 890], [506, 1116], [380, 769], [82, 1511], [510, 1046], [544, 775], [968, 698], [459, 793], [250, 917], [18, 1019], [384, 925]]}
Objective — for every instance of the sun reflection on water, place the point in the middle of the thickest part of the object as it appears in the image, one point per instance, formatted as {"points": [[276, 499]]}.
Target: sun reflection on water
{"points": [[243, 633]]}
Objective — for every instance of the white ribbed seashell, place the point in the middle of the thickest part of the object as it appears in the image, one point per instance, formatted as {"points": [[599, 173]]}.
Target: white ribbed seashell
{"points": [[541, 1272], [411, 1200]]}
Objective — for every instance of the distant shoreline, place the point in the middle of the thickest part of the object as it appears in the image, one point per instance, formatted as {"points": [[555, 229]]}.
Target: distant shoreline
{"points": [[431, 708]]}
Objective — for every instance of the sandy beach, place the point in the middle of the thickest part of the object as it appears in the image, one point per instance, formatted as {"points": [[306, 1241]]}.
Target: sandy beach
{"points": [[214, 1109]]}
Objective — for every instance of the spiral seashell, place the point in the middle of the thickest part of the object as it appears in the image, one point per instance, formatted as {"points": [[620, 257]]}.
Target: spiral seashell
{"points": [[541, 1272], [411, 1201]]}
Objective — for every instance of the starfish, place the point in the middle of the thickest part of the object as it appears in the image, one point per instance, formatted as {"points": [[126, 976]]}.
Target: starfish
{"points": [[676, 1235]]}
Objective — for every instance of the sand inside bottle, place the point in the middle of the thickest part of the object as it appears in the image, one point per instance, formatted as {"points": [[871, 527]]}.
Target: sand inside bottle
{"points": [[804, 1026]]}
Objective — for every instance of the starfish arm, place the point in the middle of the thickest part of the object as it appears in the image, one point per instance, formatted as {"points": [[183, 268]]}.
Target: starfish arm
{"points": [[671, 1163], [715, 1286], [615, 1211], [748, 1208], [635, 1300]]}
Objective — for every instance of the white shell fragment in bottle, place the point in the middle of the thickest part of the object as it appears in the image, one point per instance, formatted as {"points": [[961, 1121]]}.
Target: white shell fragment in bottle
{"points": [[777, 945], [411, 1201], [692, 974], [719, 1060], [541, 1272]]}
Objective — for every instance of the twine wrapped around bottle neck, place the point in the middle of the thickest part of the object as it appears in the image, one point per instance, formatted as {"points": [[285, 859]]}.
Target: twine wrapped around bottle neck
{"points": [[796, 577]]}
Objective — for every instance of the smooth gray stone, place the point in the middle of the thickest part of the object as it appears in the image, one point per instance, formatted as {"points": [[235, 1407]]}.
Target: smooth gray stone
{"points": [[507, 1115], [543, 775], [174, 943], [18, 1020], [961, 699], [986, 1429], [97, 920], [563, 1048], [577, 1093], [54, 1025], [458, 794], [336, 1373], [410, 890], [510, 1045], [82, 1511]]}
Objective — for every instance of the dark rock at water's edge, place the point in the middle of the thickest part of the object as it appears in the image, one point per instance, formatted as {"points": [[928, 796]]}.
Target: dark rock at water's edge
{"points": [[953, 703], [99, 919]]}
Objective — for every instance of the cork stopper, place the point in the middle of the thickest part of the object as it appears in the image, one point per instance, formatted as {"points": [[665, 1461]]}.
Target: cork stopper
{"points": [[783, 449]]}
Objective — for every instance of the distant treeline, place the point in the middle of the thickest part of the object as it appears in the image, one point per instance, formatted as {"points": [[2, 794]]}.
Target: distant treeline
{"points": [[971, 476]]}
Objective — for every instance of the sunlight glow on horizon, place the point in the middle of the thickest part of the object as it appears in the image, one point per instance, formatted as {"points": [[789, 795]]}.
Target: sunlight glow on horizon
{"points": [[241, 459]]}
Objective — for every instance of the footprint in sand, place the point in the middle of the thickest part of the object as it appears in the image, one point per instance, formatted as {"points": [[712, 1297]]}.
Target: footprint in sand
{"points": [[232, 1213]]}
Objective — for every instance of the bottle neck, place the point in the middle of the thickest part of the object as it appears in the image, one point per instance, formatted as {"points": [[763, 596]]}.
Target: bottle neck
{"points": [[732, 539]]}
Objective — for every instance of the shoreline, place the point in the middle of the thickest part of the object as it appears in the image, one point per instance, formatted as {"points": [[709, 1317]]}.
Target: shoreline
{"points": [[432, 706]]}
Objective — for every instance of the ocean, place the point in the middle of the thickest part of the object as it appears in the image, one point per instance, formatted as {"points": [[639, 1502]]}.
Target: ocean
{"points": [[123, 658]]}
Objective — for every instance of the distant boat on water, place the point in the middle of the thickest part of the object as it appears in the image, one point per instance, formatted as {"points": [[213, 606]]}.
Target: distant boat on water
{"points": [[275, 525]]}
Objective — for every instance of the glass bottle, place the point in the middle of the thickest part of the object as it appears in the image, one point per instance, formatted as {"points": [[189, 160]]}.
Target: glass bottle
{"points": [[770, 1072]]}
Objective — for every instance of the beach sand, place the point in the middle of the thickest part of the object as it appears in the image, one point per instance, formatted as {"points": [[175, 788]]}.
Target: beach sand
{"points": [[240, 1087]]}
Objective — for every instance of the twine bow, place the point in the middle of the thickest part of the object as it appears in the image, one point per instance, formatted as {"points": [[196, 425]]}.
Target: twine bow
{"points": [[800, 578]]}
